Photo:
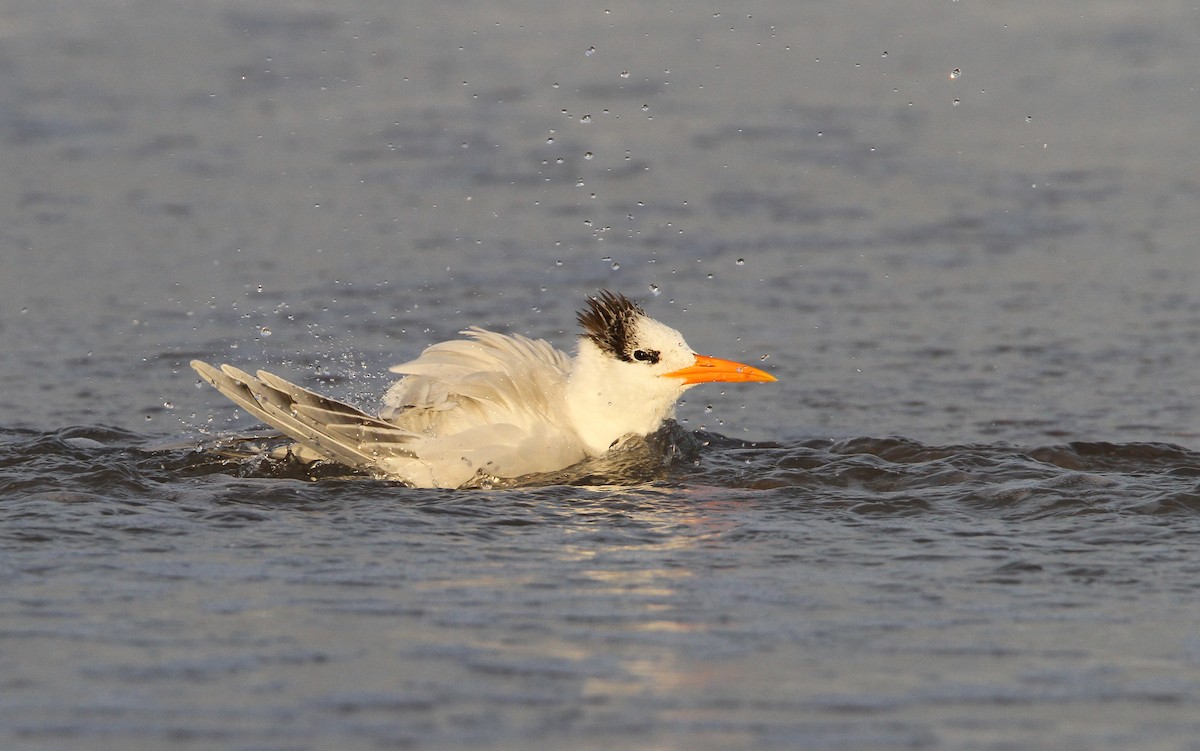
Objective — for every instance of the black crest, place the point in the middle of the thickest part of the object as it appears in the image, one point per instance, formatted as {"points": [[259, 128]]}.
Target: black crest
{"points": [[608, 321]]}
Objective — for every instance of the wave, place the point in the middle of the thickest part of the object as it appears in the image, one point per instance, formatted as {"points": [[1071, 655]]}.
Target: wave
{"points": [[899, 474], [892, 475]]}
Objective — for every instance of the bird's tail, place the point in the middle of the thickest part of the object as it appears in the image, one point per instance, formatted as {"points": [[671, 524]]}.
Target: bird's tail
{"points": [[333, 429]]}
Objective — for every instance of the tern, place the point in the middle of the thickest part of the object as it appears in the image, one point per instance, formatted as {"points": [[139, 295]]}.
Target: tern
{"points": [[496, 405]]}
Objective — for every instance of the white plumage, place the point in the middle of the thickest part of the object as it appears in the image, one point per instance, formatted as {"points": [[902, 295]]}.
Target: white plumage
{"points": [[496, 405]]}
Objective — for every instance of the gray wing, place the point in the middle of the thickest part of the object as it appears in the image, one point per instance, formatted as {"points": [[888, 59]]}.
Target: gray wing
{"points": [[331, 428]]}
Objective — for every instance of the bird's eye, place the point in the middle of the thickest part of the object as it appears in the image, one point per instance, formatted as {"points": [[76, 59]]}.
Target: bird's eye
{"points": [[646, 355]]}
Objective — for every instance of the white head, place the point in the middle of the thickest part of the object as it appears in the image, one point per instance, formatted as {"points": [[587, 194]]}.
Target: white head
{"points": [[631, 371]]}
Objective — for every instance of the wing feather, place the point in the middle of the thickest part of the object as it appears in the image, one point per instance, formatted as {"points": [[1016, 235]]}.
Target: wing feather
{"points": [[485, 378], [488, 404], [333, 429]]}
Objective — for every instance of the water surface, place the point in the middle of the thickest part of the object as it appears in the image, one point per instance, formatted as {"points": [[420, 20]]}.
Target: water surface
{"points": [[962, 236]]}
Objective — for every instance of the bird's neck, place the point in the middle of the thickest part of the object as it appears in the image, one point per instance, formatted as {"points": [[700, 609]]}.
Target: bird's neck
{"points": [[605, 404]]}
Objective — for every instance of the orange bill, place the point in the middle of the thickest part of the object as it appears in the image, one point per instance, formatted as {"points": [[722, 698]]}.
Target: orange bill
{"points": [[708, 369]]}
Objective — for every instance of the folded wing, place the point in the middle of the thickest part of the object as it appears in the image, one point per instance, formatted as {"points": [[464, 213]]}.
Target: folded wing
{"points": [[333, 429], [489, 404]]}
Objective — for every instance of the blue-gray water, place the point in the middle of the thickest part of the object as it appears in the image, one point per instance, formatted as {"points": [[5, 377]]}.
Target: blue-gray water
{"points": [[962, 235]]}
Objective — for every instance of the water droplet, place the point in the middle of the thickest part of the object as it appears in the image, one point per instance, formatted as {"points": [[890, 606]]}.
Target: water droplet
{"points": [[1029, 118], [624, 74], [955, 74], [708, 409], [169, 405], [654, 290], [615, 265], [588, 155], [585, 119], [265, 331], [590, 51], [741, 262], [957, 102]]}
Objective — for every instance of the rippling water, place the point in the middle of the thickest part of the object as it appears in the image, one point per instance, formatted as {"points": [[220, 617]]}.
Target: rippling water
{"points": [[962, 235], [855, 593]]}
